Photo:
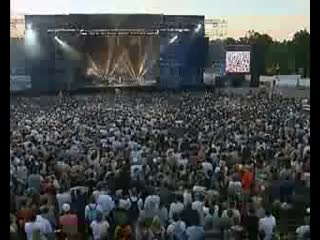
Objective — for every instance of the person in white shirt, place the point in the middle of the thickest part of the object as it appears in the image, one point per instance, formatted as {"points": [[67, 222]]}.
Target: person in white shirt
{"points": [[207, 166], [267, 225], [182, 161], [152, 203], [106, 203], [235, 187], [135, 155], [48, 230], [34, 226], [235, 213], [62, 198], [22, 172], [187, 197], [199, 205], [175, 227], [92, 207], [132, 199], [176, 207], [99, 227], [302, 231], [124, 204], [306, 150], [96, 193]]}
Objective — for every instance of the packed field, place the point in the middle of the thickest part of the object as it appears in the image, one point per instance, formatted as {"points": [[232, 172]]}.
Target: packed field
{"points": [[192, 166]]}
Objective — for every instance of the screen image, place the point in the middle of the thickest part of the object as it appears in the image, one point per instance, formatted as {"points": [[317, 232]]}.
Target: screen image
{"points": [[238, 62], [121, 60]]}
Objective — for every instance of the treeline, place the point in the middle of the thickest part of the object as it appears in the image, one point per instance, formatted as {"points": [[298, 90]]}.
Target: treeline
{"points": [[289, 56]]}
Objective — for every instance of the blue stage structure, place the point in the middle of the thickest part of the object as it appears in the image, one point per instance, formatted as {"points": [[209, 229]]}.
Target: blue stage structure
{"points": [[183, 52], [179, 43]]}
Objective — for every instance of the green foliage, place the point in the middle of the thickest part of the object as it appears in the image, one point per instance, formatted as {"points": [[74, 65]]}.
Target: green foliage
{"points": [[290, 55]]}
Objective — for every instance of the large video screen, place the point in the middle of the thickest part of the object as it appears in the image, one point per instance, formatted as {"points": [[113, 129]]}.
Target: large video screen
{"points": [[121, 60], [238, 62]]}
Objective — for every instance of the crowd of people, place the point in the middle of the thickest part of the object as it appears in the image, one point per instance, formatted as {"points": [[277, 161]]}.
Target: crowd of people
{"points": [[194, 166]]}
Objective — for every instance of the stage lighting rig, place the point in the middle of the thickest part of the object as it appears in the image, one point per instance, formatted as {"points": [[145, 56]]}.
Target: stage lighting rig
{"points": [[198, 28]]}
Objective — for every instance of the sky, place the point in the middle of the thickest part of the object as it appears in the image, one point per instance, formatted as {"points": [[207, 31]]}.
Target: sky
{"points": [[278, 18]]}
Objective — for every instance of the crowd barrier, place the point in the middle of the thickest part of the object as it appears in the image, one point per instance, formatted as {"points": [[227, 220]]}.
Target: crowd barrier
{"points": [[287, 80]]}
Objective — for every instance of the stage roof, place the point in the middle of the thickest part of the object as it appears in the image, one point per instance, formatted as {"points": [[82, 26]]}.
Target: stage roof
{"points": [[106, 21]]}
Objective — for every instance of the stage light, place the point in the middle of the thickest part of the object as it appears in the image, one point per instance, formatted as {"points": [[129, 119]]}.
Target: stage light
{"points": [[198, 28], [59, 41], [69, 50], [31, 42], [173, 39], [30, 37]]}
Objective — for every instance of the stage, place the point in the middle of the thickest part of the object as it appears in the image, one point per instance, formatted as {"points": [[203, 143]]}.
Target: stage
{"points": [[79, 52]]}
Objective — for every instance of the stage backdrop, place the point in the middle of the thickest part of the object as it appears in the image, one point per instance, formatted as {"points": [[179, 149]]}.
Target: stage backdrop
{"points": [[120, 60]]}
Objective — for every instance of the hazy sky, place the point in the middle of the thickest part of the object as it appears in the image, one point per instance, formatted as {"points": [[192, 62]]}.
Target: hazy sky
{"points": [[279, 18]]}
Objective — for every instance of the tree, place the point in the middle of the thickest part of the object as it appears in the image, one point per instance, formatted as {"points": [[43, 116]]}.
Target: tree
{"points": [[261, 43], [230, 41], [290, 55], [301, 44], [277, 53]]}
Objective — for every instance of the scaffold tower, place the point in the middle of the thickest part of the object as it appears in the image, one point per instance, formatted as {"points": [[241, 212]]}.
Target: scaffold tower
{"points": [[17, 26], [216, 28]]}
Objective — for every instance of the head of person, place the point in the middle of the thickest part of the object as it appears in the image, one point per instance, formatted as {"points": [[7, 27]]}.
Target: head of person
{"points": [[175, 217], [23, 204], [179, 198], [44, 210], [252, 211], [308, 210], [66, 208], [233, 204], [99, 216], [268, 213], [33, 218], [44, 201], [133, 191], [229, 213]]}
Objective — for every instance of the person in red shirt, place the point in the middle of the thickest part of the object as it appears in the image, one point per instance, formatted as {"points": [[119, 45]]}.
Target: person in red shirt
{"points": [[48, 187], [247, 180], [25, 213], [68, 222], [123, 232]]}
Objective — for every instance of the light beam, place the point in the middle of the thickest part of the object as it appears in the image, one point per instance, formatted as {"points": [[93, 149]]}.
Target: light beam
{"points": [[173, 39]]}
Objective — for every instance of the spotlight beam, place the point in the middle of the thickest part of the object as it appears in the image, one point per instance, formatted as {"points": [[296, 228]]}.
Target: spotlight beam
{"points": [[173, 39], [110, 54], [142, 65], [131, 66], [94, 66], [198, 28], [59, 41], [127, 64], [116, 65], [152, 62]]}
